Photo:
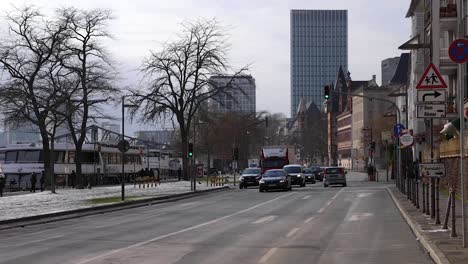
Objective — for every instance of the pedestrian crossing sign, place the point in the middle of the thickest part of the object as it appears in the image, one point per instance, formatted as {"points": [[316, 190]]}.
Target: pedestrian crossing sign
{"points": [[431, 79]]}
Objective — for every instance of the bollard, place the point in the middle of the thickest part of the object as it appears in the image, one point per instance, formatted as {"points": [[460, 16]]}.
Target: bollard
{"points": [[207, 180], [432, 186], [428, 211], [417, 194], [424, 197], [447, 211], [454, 231], [437, 221]]}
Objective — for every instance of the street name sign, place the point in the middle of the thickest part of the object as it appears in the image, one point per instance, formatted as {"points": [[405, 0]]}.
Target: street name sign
{"points": [[431, 96], [436, 170], [406, 140], [431, 110], [431, 79]]}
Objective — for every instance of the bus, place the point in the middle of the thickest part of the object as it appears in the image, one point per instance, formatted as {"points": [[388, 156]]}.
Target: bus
{"points": [[163, 162]]}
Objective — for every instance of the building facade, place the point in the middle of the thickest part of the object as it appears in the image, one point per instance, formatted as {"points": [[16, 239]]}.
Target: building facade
{"points": [[319, 46], [159, 137], [388, 69], [239, 98]]}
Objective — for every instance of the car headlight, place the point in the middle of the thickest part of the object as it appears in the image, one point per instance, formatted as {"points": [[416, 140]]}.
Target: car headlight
{"points": [[262, 181], [282, 181], [241, 178]]}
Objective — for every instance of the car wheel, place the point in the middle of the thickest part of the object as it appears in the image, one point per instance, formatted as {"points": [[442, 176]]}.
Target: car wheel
{"points": [[344, 185], [260, 189], [241, 186], [325, 185], [303, 184], [313, 182], [290, 188]]}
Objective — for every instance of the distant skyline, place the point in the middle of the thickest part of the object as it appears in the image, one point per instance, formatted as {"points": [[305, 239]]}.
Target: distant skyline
{"points": [[259, 35]]}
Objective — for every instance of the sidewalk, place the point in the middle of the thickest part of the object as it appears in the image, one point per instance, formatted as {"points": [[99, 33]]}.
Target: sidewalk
{"points": [[39, 203], [436, 241]]}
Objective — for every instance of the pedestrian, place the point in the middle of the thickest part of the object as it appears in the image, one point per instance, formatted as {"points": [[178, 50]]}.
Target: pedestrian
{"points": [[33, 182], [42, 180], [2, 184], [179, 173], [158, 178], [147, 177], [73, 178]]}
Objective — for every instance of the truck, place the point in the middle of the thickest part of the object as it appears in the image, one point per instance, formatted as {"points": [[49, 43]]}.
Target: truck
{"points": [[276, 157]]}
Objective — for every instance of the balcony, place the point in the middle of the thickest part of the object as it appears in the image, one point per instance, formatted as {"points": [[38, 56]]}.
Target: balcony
{"points": [[448, 17]]}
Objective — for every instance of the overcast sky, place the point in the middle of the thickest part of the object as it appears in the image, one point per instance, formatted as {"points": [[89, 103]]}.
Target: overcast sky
{"points": [[260, 34]]}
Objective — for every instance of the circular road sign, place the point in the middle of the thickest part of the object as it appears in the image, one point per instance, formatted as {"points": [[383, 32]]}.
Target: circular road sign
{"points": [[123, 145], [406, 140], [397, 129], [458, 51]]}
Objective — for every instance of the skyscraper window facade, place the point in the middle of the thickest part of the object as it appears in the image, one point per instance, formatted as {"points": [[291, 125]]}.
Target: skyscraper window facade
{"points": [[319, 46]]}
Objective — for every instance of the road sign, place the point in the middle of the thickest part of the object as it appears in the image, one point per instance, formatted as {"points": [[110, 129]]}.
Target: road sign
{"points": [[431, 79], [406, 140], [432, 170], [123, 145], [397, 129], [431, 110], [431, 96], [458, 51]]}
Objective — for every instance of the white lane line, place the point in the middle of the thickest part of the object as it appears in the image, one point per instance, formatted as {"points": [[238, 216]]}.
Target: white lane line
{"points": [[265, 219], [127, 221], [310, 219], [306, 197], [329, 202], [268, 255], [292, 232], [181, 231], [36, 241]]}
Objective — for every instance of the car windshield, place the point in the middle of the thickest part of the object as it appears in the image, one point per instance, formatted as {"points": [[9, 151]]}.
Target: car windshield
{"points": [[308, 171], [295, 169], [273, 174], [334, 170], [251, 171]]}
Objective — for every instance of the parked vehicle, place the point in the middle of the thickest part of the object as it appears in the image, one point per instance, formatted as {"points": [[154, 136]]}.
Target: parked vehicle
{"points": [[250, 177], [318, 172], [276, 157], [295, 172], [275, 179], [334, 175], [309, 175]]}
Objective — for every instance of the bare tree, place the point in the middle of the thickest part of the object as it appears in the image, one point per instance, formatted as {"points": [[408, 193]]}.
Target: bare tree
{"points": [[27, 57], [90, 82], [179, 77]]}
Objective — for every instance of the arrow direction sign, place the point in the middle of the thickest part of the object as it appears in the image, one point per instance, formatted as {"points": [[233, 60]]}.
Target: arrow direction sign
{"points": [[436, 170], [431, 110], [431, 96]]}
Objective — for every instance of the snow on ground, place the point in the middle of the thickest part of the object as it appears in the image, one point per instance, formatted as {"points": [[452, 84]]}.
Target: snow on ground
{"points": [[17, 206]]}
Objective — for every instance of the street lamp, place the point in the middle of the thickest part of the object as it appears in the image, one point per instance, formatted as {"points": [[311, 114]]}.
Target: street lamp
{"points": [[124, 145]]}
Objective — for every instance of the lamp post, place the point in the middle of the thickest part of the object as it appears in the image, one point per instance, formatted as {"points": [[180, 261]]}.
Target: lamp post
{"points": [[123, 146]]}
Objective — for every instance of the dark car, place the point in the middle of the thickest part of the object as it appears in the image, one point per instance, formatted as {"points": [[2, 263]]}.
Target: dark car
{"points": [[250, 177], [297, 177], [318, 171], [309, 175], [275, 179], [334, 175]]}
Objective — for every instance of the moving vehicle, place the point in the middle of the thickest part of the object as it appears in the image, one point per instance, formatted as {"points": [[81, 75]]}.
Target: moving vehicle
{"points": [[276, 157], [318, 172], [334, 175], [309, 175], [275, 179], [295, 172], [250, 177], [254, 163]]}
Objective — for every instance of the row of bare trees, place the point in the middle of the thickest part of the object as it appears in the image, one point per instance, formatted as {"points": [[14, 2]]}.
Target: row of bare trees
{"points": [[56, 72]]}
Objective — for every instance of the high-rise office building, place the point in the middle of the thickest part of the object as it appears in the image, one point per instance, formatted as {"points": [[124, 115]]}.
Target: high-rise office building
{"points": [[239, 99], [388, 69], [319, 46]]}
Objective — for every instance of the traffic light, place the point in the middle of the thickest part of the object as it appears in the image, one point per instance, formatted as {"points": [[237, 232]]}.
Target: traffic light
{"points": [[235, 155], [326, 92], [190, 149]]}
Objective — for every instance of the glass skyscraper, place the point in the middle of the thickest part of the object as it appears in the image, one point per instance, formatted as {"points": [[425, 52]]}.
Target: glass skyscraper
{"points": [[319, 46]]}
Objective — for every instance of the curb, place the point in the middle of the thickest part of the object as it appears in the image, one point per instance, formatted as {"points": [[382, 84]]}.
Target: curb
{"points": [[66, 215], [436, 254]]}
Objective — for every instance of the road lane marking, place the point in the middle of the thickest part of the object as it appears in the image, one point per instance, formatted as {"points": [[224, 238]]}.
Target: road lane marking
{"points": [[268, 255], [115, 251], [292, 232], [306, 197], [310, 219], [321, 210], [265, 219], [359, 217], [36, 241]]}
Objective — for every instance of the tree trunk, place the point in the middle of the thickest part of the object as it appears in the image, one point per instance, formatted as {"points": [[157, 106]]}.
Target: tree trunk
{"points": [[185, 160], [46, 151], [79, 175], [52, 162]]}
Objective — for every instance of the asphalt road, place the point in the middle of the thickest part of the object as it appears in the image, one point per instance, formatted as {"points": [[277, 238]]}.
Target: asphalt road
{"points": [[357, 224]]}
